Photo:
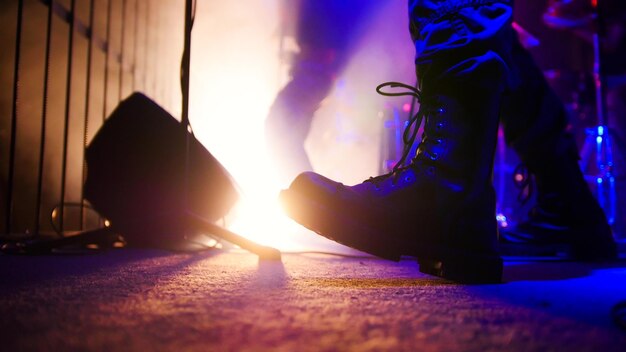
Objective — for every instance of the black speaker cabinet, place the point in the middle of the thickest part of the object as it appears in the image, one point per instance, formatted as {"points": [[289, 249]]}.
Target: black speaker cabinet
{"points": [[138, 178]]}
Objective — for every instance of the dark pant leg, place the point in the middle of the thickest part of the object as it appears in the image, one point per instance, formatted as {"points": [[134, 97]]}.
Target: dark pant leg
{"points": [[454, 37], [534, 118], [289, 120]]}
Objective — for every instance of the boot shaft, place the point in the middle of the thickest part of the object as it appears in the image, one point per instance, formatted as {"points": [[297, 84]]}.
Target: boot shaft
{"points": [[463, 56], [461, 123]]}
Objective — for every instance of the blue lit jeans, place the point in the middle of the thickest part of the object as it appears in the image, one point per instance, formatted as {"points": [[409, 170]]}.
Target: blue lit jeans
{"points": [[454, 37]]}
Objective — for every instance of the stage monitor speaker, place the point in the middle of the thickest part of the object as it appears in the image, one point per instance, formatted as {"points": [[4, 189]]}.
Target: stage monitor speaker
{"points": [[138, 179]]}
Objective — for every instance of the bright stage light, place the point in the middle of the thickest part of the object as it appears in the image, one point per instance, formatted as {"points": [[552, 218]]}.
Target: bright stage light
{"points": [[236, 71]]}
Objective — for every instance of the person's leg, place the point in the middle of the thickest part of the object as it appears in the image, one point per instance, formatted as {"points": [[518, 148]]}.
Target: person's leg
{"points": [[535, 124], [289, 120], [441, 206], [325, 32]]}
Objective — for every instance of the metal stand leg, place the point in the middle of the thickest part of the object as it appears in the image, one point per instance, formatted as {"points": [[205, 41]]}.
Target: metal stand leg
{"points": [[598, 151], [600, 136]]}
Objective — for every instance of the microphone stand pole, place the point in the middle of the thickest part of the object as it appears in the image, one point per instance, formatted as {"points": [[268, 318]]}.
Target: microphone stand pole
{"points": [[605, 180], [194, 220]]}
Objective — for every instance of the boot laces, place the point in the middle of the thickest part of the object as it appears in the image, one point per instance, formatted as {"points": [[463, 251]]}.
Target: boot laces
{"points": [[410, 131]]}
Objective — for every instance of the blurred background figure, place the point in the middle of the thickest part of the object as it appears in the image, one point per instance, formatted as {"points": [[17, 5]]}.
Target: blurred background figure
{"points": [[325, 32]]}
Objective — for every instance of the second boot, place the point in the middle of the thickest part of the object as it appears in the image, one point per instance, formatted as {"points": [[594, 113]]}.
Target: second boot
{"points": [[567, 218]]}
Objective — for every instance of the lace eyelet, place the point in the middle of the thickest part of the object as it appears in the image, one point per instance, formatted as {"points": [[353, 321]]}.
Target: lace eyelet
{"points": [[441, 111], [408, 178], [434, 156], [440, 125]]}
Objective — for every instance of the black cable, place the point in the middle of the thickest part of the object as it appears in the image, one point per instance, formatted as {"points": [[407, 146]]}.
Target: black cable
{"points": [[11, 170], [120, 79], [186, 60], [55, 211], [146, 44], [44, 112], [87, 110], [135, 35], [66, 122], [106, 61]]}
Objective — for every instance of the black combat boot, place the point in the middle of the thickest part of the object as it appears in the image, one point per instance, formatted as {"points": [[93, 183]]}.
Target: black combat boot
{"points": [[566, 219], [440, 207]]}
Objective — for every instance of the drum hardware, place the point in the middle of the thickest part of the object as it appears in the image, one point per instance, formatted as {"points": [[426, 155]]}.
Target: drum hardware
{"points": [[585, 16]]}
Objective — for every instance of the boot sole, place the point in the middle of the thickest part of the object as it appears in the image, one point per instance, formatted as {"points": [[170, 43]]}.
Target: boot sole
{"points": [[457, 265], [462, 266]]}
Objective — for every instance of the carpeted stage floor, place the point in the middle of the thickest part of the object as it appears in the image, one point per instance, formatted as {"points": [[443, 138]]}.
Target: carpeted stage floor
{"points": [[144, 300]]}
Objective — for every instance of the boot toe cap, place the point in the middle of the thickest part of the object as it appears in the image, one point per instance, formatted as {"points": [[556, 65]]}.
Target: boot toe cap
{"points": [[314, 185]]}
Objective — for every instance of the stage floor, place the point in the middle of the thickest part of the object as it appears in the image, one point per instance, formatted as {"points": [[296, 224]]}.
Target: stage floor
{"points": [[144, 300]]}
